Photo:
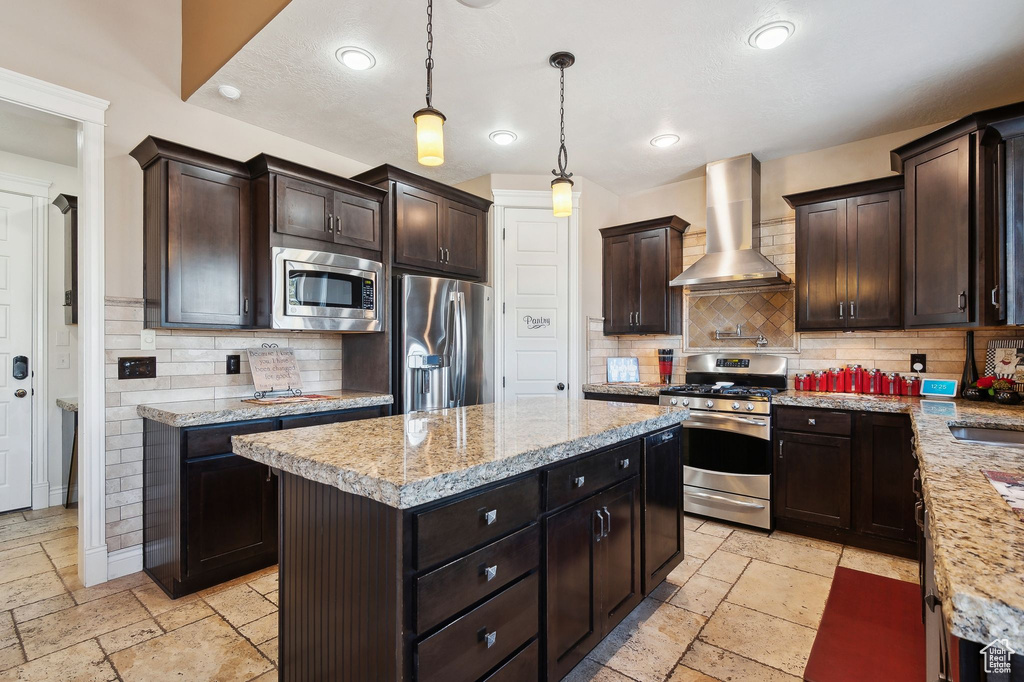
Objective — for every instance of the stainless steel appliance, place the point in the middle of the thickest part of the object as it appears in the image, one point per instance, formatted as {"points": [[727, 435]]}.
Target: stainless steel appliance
{"points": [[444, 343], [324, 291], [727, 452]]}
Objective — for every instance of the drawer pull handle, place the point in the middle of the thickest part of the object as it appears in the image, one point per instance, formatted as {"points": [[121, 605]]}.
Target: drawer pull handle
{"points": [[578, 481], [666, 437], [812, 421], [919, 514], [624, 463], [490, 572], [491, 516], [609, 515], [488, 638]]}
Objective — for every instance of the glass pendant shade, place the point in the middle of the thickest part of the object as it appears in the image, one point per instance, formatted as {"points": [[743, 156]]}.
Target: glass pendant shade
{"points": [[561, 197], [429, 136]]}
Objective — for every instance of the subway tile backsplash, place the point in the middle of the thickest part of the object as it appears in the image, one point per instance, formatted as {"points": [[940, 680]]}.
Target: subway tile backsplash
{"points": [[191, 365]]}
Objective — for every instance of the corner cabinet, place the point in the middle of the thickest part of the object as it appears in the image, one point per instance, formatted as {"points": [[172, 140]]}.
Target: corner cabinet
{"points": [[848, 256], [435, 229], [639, 260]]}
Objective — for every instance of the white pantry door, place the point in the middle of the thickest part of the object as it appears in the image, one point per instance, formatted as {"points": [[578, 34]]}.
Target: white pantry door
{"points": [[536, 291], [15, 340]]}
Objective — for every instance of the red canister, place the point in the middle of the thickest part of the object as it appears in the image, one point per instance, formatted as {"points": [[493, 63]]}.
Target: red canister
{"points": [[819, 380], [836, 380], [802, 382], [912, 385], [871, 381], [892, 384], [854, 377]]}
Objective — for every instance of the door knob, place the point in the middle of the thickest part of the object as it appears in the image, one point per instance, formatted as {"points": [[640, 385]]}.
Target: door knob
{"points": [[20, 393], [561, 386]]}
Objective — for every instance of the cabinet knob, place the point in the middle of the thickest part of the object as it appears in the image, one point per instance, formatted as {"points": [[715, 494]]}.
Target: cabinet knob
{"points": [[490, 516], [488, 638], [812, 421], [578, 481], [490, 572], [624, 463]]}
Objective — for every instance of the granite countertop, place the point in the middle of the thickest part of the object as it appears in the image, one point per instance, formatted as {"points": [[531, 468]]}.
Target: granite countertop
{"points": [[407, 460], [202, 412], [978, 540], [68, 404], [649, 390]]}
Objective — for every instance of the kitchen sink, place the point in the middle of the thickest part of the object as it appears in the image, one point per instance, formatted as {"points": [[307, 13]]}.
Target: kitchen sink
{"points": [[986, 436]]}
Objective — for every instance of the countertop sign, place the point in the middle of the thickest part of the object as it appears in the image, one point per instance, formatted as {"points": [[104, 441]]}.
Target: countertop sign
{"points": [[274, 369]]}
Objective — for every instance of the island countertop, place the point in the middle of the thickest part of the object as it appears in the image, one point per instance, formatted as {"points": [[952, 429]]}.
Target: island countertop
{"points": [[408, 460], [202, 412]]}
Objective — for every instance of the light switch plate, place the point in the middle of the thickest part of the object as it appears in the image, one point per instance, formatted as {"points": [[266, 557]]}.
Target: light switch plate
{"points": [[62, 338], [148, 339]]}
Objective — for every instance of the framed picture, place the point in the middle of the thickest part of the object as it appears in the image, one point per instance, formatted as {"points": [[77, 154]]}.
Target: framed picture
{"points": [[623, 370], [1004, 358]]}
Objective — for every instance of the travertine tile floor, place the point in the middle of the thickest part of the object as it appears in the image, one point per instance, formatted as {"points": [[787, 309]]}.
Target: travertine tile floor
{"points": [[743, 606]]}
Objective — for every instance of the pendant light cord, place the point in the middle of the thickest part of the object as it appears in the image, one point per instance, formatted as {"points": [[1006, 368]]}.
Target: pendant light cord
{"points": [[563, 153], [430, 47]]}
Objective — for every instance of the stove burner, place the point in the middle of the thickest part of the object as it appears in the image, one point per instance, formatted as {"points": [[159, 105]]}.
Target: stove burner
{"points": [[709, 389]]}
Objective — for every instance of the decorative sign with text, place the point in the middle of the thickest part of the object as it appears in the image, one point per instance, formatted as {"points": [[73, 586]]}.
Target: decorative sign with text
{"points": [[274, 369]]}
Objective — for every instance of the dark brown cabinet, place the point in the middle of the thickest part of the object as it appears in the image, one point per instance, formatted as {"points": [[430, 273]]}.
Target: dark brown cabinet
{"points": [[663, 506], [848, 256], [68, 205], [306, 209], [639, 260], [845, 477], [435, 229]]}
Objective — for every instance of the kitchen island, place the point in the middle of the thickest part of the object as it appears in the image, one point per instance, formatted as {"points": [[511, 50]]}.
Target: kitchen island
{"points": [[497, 542]]}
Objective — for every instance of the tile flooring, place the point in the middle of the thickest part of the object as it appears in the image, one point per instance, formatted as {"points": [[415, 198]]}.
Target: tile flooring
{"points": [[743, 606]]}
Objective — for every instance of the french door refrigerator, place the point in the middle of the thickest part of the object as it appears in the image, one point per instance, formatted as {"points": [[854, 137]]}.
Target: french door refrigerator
{"points": [[444, 343]]}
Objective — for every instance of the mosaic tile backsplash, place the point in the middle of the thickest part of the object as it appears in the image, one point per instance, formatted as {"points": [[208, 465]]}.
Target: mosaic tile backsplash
{"points": [[769, 313]]}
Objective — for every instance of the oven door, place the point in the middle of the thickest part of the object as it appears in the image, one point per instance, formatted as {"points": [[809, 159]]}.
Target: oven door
{"points": [[326, 291]]}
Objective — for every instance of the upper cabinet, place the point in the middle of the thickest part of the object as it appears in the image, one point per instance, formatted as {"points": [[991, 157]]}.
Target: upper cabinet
{"points": [[954, 240], [639, 260], [848, 256], [435, 229]]}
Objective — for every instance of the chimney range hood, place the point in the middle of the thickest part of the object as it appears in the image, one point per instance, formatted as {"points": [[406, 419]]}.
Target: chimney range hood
{"points": [[734, 206]]}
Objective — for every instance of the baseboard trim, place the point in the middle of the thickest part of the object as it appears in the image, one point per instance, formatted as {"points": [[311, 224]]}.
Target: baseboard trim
{"points": [[58, 495], [41, 496], [124, 562]]}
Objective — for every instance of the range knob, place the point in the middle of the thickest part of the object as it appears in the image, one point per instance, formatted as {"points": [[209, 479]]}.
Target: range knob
{"points": [[686, 402], [735, 406], [673, 401], [750, 407], [709, 404]]}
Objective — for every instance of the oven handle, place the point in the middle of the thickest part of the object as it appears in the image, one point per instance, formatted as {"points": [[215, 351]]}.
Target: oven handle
{"points": [[725, 417], [719, 498]]}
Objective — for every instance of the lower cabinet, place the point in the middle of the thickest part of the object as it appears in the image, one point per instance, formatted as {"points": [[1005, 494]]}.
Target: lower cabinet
{"points": [[663, 506], [845, 476]]}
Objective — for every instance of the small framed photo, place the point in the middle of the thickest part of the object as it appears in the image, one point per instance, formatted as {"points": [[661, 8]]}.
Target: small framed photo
{"points": [[623, 370]]}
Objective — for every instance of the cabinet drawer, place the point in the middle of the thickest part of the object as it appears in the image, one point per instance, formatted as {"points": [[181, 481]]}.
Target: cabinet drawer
{"points": [[447, 531], [482, 638], [216, 440], [523, 667], [579, 479], [813, 421], [301, 420], [453, 587]]}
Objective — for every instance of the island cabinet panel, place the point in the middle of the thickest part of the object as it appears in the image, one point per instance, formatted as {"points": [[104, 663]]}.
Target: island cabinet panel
{"points": [[663, 506]]}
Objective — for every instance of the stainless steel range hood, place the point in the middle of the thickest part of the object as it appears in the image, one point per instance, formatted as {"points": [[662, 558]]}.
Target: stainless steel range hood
{"points": [[734, 207]]}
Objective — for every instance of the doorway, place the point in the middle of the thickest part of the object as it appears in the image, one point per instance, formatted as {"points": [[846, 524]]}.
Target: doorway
{"points": [[537, 298]]}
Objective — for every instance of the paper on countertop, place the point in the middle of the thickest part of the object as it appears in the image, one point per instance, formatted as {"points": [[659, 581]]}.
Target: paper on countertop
{"points": [[1011, 487]]}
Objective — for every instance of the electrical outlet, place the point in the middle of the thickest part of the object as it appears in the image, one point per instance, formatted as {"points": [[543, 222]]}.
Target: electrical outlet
{"points": [[63, 361], [148, 341], [136, 368], [234, 364], [918, 362]]}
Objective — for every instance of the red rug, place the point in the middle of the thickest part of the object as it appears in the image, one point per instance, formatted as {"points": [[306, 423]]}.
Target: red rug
{"points": [[871, 630]]}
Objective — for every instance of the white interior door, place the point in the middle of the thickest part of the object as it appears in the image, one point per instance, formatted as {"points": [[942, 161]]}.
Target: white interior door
{"points": [[536, 293], [15, 340]]}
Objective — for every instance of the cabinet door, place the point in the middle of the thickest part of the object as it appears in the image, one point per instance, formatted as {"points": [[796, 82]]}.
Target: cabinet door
{"points": [[462, 237], [821, 266], [304, 209], [663, 506], [812, 478], [356, 221], [651, 252], [573, 614], [619, 566], [231, 511], [937, 236], [209, 248], [619, 293], [873, 261], [883, 489], [418, 217]]}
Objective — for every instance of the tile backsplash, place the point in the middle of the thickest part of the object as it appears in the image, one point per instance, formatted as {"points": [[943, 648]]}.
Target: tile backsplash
{"points": [[764, 312], [191, 365]]}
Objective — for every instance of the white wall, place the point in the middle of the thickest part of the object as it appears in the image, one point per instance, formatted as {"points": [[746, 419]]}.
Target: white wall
{"points": [[61, 383]]}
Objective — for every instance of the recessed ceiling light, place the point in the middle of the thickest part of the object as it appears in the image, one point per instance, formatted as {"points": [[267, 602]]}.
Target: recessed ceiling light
{"points": [[479, 4], [770, 36], [664, 140], [355, 58], [503, 137], [229, 92]]}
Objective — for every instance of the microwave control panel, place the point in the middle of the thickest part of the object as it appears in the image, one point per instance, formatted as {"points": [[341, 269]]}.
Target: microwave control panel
{"points": [[368, 294]]}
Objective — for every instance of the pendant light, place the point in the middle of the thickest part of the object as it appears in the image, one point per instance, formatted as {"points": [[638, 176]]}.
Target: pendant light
{"points": [[429, 121], [561, 186]]}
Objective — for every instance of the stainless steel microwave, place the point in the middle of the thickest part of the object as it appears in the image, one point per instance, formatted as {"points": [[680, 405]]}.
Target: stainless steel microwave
{"points": [[322, 291]]}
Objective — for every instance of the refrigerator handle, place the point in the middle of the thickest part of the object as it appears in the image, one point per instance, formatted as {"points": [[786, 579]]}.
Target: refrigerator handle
{"points": [[452, 334], [463, 349]]}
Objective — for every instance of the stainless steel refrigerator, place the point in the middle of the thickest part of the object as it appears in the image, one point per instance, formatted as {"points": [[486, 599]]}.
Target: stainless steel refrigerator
{"points": [[444, 343]]}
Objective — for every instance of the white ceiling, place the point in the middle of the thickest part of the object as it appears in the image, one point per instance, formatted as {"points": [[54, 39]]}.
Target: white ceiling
{"points": [[38, 135], [852, 69]]}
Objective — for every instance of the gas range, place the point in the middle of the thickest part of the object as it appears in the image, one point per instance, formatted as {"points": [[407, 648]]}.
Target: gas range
{"points": [[718, 382], [718, 398]]}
